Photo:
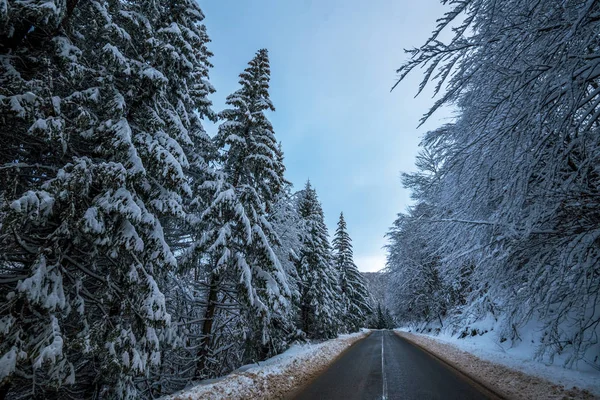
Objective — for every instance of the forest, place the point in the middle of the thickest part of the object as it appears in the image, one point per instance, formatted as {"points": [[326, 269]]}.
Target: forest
{"points": [[505, 221], [138, 253]]}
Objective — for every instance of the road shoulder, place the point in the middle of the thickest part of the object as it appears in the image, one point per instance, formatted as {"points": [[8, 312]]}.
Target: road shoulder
{"points": [[504, 381], [275, 378]]}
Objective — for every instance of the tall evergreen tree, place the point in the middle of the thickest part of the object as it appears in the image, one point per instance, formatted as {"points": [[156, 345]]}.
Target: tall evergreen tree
{"points": [[118, 213], [237, 237], [183, 47], [98, 105], [355, 296], [320, 305], [286, 222], [382, 318], [380, 321], [254, 158]]}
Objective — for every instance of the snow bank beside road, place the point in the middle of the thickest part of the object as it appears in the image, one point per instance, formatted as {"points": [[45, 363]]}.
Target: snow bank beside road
{"points": [[513, 376], [275, 377]]}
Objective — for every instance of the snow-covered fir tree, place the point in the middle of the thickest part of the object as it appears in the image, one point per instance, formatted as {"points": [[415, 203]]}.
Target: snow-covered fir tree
{"points": [[381, 318], [355, 297], [254, 157], [97, 100], [185, 44], [320, 298], [286, 221], [237, 239], [136, 253]]}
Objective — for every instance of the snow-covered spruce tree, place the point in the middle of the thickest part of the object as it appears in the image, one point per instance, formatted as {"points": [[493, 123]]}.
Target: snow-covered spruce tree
{"points": [[320, 299], [183, 40], [237, 238], [517, 198], [355, 297], [381, 318], [96, 112], [286, 221], [27, 159], [254, 156]]}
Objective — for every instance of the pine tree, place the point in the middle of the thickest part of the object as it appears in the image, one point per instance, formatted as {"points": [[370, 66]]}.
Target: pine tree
{"points": [[183, 47], [285, 220], [237, 239], [380, 322], [320, 305], [254, 157], [390, 323], [382, 318], [355, 296], [99, 112]]}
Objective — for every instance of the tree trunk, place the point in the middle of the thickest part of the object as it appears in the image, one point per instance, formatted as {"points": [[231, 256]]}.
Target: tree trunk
{"points": [[4, 388], [305, 319], [211, 307]]}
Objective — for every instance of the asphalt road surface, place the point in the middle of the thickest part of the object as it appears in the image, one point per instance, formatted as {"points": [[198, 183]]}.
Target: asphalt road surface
{"points": [[385, 366]]}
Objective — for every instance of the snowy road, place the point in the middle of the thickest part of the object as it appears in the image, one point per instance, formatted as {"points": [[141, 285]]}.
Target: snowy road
{"points": [[384, 366]]}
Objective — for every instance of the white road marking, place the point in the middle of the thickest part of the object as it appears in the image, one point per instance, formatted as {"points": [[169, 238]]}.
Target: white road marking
{"points": [[384, 393]]}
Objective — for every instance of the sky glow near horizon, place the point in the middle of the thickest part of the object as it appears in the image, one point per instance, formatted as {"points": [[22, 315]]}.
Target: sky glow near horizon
{"points": [[333, 64]]}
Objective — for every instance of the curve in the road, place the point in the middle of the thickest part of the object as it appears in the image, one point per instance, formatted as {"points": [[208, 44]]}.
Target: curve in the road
{"points": [[385, 366]]}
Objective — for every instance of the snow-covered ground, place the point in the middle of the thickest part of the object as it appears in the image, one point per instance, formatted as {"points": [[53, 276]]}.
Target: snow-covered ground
{"points": [[275, 377], [511, 371]]}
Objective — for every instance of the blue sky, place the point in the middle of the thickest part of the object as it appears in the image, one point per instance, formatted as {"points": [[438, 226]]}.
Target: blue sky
{"points": [[333, 63]]}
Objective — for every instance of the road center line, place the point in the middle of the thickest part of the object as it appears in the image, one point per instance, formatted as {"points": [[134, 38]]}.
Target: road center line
{"points": [[383, 378]]}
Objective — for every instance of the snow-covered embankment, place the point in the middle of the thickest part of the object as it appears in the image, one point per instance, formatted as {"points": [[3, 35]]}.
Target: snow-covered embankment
{"points": [[275, 377], [510, 375]]}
